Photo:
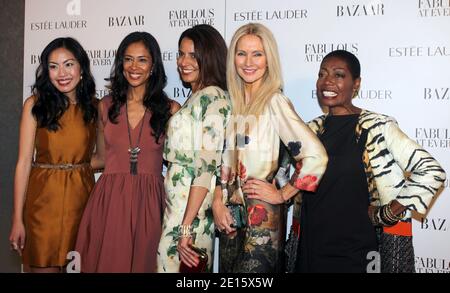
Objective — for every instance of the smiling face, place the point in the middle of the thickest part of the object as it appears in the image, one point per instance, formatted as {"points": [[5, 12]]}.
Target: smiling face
{"points": [[250, 60], [336, 86], [187, 64], [64, 72], [137, 64]]}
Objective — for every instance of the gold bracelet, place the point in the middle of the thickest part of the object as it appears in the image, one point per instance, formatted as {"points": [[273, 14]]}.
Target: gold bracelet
{"points": [[391, 214], [386, 219], [185, 231]]}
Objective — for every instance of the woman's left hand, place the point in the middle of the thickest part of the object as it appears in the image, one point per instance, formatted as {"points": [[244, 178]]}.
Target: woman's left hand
{"points": [[258, 189], [187, 255]]}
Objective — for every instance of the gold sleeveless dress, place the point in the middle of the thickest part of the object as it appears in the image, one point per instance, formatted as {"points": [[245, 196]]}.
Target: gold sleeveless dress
{"points": [[56, 197]]}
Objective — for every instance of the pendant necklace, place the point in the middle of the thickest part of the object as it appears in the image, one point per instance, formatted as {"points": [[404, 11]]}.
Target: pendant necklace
{"points": [[134, 151]]}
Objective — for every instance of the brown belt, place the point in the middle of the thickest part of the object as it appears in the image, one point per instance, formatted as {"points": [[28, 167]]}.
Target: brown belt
{"points": [[60, 166]]}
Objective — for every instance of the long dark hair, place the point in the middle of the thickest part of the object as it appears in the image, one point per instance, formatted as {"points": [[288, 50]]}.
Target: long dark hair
{"points": [[211, 54], [155, 99], [51, 104]]}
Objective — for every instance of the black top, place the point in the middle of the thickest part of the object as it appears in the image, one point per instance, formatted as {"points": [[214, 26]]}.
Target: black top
{"points": [[336, 232]]}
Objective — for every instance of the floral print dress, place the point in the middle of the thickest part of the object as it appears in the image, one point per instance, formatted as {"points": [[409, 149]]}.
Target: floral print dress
{"points": [[193, 149], [254, 151]]}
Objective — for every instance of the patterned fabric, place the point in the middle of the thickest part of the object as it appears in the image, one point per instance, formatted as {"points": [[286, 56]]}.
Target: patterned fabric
{"points": [[291, 250], [389, 156], [253, 151], [193, 148], [397, 254], [390, 153]]}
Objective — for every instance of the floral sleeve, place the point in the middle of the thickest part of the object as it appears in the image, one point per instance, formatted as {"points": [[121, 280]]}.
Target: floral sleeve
{"points": [[211, 116], [302, 143]]}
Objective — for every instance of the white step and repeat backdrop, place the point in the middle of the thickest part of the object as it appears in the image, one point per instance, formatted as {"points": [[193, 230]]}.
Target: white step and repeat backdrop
{"points": [[403, 46]]}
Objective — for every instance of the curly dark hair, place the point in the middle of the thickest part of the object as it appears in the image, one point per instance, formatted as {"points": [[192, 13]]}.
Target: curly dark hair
{"points": [[51, 104], [155, 99], [211, 54]]}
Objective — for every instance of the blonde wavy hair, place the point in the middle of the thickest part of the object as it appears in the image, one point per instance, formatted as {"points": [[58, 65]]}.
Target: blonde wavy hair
{"points": [[272, 82]]}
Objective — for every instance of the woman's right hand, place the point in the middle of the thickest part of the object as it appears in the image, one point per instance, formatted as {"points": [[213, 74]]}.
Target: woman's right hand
{"points": [[265, 191], [17, 237], [222, 217]]}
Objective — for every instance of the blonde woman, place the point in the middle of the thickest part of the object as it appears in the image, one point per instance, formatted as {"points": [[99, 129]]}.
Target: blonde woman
{"points": [[264, 122]]}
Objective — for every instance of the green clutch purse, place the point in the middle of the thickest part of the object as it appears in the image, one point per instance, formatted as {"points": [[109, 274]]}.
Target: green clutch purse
{"points": [[237, 211]]}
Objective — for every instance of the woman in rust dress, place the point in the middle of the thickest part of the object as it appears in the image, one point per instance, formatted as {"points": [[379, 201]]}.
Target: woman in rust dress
{"points": [[58, 127], [121, 225]]}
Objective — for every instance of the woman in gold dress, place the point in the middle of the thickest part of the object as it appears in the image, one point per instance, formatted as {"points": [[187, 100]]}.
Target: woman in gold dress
{"points": [[54, 171]]}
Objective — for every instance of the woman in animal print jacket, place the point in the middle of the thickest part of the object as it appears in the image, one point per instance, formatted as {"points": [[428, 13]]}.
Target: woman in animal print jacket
{"points": [[376, 176]]}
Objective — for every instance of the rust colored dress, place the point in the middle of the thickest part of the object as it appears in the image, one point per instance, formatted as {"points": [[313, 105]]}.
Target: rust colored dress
{"points": [[55, 198], [121, 225]]}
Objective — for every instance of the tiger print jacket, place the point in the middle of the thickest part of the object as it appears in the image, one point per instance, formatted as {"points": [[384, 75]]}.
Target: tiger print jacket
{"points": [[396, 166]]}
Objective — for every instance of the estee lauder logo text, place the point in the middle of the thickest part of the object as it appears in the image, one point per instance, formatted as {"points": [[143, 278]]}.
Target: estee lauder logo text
{"points": [[432, 265], [360, 10], [433, 8], [58, 25], [442, 93], [433, 137], [368, 94], [416, 51], [168, 55], [256, 15], [101, 57], [316, 52], [126, 21], [101, 93], [191, 17]]}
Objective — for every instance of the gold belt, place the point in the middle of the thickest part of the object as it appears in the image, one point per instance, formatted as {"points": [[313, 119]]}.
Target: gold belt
{"points": [[60, 166]]}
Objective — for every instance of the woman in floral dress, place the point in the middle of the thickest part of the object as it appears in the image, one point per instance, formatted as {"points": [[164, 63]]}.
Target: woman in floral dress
{"points": [[193, 149], [267, 124]]}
